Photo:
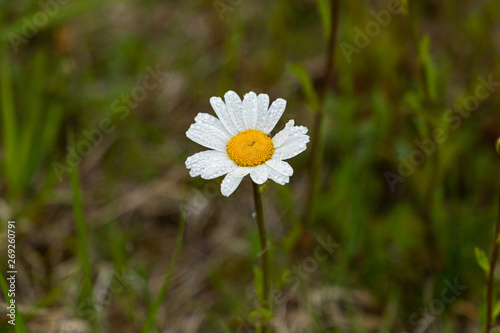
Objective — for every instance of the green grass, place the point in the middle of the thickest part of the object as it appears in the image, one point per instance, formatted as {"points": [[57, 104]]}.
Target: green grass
{"points": [[153, 309], [83, 242]]}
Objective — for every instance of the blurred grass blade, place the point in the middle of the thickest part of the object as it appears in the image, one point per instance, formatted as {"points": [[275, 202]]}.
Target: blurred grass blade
{"points": [[482, 260], [151, 317], [496, 309], [406, 7], [9, 128], [81, 231], [429, 69], [431, 77], [32, 122], [25, 149], [257, 281], [223, 326], [48, 135], [324, 9], [307, 85], [423, 51], [19, 326], [116, 245]]}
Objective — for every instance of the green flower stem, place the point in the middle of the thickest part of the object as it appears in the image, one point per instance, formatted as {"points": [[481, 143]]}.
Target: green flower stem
{"points": [[491, 276], [264, 250]]}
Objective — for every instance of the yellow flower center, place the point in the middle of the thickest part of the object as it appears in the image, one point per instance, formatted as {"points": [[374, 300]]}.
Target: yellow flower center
{"points": [[250, 148]]}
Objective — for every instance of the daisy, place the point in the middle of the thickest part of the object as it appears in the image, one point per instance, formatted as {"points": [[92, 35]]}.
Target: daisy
{"points": [[240, 143]]}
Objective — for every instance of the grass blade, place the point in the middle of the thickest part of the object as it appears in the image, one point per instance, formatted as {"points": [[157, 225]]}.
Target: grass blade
{"points": [[82, 236], [9, 128], [81, 230], [324, 9], [151, 317]]}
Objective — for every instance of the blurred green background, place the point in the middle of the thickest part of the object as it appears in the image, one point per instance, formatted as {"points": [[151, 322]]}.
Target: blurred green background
{"points": [[96, 97]]}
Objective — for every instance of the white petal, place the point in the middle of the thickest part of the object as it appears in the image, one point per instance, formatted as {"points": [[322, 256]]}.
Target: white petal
{"points": [[274, 114], [232, 180], [234, 107], [280, 166], [204, 135], [250, 111], [223, 114], [259, 174], [291, 147], [277, 177], [262, 106], [282, 135], [199, 162], [214, 123], [297, 136], [298, 130], [218, 167]]}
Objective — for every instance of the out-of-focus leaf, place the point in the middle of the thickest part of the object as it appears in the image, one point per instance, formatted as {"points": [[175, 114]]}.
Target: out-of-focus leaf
{"points": [[405, 4], [307, 85], [9, 127], [429, 68], [431, 77], [324, 9], [496, 309], [482, 260], [257, 281], [423, 51]]}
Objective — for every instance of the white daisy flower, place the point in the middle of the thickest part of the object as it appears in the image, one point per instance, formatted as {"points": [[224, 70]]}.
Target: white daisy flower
{"points": [[240, 142]]}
